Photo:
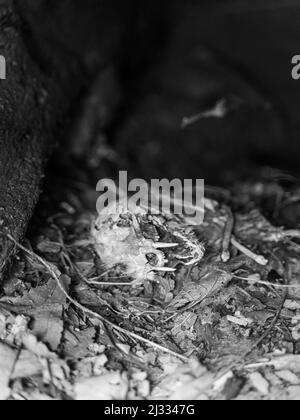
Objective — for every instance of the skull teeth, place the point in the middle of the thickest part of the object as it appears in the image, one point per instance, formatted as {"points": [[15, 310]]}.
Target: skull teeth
{"points": [[162, 245]]}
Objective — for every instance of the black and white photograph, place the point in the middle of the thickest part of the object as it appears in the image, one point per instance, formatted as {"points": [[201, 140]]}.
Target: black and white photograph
{"points": [[149, 203]]}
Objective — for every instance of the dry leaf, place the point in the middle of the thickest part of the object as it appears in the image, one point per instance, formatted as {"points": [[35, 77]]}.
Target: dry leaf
{"points": [[289, 377], [260, 383]]}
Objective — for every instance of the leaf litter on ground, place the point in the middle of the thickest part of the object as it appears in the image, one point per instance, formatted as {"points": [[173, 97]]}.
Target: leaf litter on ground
{"points": [[211, 313]]}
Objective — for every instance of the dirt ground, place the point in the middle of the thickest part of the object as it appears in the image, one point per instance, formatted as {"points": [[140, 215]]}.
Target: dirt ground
{"points": [[224, 324]]}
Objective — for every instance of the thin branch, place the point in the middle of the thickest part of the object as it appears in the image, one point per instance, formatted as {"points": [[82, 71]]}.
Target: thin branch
{"points": [[270, 329], [228, 231]]}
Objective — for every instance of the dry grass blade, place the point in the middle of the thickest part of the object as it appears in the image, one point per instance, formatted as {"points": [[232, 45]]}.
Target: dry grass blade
{"points": [[266, 283]]}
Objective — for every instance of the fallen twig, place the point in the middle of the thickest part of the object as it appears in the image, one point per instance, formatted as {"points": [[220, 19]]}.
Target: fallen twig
{"points": [[259, 259], [227, 236]]}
